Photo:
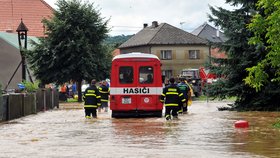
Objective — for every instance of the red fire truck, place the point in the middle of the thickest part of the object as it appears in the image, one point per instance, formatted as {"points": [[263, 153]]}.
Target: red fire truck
{"points": [[136, 85], [206, 76], [198, 78]]}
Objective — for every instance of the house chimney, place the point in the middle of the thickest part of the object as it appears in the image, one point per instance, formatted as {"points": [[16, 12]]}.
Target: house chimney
{"points": [[9, 30], [154, 24], [145, 25]]}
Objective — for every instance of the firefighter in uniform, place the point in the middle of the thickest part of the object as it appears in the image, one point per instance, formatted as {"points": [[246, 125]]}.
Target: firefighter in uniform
{"points": [[92, 100], [104, 92], [172, 97], [185, 89]]}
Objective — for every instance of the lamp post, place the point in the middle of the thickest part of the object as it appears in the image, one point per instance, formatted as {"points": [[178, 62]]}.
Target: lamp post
{"points": [[22, 40]]}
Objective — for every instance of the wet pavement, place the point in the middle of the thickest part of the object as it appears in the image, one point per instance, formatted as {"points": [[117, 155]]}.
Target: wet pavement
{"points": [[204, 132]]}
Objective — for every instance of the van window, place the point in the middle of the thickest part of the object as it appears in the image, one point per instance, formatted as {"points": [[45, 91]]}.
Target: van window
{"points": [[126, 74], [146, 74]]}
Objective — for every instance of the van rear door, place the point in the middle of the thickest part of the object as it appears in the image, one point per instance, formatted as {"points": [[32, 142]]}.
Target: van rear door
{"points": [[146, 99], [126, 81]]}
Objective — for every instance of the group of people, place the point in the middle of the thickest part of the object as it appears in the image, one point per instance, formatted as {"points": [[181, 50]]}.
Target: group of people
{"points": [[67, 91], [175, 98], [96, 98]]}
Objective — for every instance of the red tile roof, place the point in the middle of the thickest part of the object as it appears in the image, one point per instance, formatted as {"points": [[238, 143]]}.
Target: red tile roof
{"points": [[116, 52], [216, 53], [31, 11]]}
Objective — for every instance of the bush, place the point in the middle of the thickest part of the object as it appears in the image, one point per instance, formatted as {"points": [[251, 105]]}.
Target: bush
{"points": [[30, 87]]}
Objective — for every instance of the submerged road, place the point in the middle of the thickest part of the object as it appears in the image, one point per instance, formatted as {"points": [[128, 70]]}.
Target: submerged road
{"points": [[204, 132]]}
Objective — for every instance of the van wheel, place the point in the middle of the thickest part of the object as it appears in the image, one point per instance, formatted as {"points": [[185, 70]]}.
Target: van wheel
{"points": [[115, 114]]}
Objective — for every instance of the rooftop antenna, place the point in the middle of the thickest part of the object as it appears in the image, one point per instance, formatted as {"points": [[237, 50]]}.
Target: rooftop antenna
{"points": [[182, 23]]}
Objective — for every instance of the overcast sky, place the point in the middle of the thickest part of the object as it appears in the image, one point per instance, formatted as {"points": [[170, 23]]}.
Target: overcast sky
{"points": [[128, 16]]}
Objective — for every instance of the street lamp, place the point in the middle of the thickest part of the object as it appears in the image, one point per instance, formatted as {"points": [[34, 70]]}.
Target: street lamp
{"points": [[22, 41]]}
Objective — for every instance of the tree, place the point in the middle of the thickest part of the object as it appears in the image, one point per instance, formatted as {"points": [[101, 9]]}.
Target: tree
{"points": [[265, 26], [241, 55], [72, 49]]}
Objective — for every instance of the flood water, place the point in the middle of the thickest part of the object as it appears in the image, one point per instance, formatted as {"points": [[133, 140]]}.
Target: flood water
{"points": [[204, 132]]}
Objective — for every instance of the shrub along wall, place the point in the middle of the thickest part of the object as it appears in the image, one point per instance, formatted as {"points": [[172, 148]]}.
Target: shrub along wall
{"points": [[21, 104]]}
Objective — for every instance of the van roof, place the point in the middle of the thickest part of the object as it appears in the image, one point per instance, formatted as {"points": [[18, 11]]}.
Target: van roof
{"points": [[135, 55]]}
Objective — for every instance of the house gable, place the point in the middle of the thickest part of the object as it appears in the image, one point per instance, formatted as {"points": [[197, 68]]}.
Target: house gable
{"points": [[30, 11], [209, 33], [10, 58], [163, 34]]}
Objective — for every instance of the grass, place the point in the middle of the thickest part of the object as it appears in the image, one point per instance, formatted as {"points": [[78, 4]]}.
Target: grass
{"points": [[72, 100], [277, 123]]}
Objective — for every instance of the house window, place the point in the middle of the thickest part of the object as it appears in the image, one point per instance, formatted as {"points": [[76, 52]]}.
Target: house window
{"points": [[166, 54], [167, 73], [194, 54]]}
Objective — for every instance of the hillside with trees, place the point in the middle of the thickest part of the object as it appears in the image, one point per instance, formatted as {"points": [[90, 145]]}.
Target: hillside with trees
{"points": [[116, 41]]}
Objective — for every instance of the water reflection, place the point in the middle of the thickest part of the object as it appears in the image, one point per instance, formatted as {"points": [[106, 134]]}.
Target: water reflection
{"points": [[146, 131], [139, 127], [261, 137], [203, 132]]}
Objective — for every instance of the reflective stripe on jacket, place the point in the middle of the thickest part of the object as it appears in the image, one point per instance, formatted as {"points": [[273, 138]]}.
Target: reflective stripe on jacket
{"points": [[172, 96], [104, 93], [184, 89], [92, 97]]}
